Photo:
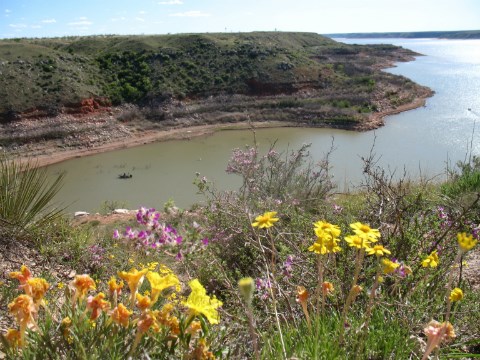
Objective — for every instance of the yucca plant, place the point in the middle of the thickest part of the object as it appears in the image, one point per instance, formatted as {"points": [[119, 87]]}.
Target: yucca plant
{"points": [[26, 194]]}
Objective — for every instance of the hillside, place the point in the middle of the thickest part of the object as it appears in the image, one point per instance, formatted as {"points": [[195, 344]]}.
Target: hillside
{"points": [[195, 79]]}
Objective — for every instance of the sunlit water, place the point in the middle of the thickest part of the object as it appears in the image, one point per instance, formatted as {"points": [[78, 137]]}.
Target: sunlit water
{"points": [[422, 141]]}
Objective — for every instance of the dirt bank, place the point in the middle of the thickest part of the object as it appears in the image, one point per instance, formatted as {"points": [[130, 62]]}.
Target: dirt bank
{"points": [[101, 132]]}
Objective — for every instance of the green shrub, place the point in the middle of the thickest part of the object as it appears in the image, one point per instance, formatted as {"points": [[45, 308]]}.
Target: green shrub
{"points": [[465, 180]]}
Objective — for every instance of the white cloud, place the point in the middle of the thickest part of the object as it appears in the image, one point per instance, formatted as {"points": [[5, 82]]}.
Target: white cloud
{"points": [[36, 26], [140, 19], [119, 19], [193, 13], [17, 26], [83, 18], [142, 12], [49, 21], [8, 11], [80, 23], [171, 2]]}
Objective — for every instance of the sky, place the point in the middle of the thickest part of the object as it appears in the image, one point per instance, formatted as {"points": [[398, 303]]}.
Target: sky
{"points": [[56, 18]]}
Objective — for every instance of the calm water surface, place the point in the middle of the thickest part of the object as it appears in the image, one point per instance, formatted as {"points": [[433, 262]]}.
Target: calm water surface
{"points": [[421, 141]]}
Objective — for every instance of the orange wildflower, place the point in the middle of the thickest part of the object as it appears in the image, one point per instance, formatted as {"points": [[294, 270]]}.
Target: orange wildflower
{"points": [[143, 302], [327, 288], [36, 288], [23, 308], [121, 315], [14, 338], [81, 284], [22, 276], [97, 304]]}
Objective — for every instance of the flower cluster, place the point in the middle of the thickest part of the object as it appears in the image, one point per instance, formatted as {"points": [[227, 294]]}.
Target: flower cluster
{"points": [[327, 238], [363, 236], [156, 310], [155, 235], [243, 160], [263, 287]]}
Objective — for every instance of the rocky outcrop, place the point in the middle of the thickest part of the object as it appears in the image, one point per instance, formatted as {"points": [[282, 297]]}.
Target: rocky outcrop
{"points": [[82, 107], [85, 106]]}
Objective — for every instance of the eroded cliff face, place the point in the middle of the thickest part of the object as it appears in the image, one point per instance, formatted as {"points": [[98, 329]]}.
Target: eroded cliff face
{"points": [[82, 107]]}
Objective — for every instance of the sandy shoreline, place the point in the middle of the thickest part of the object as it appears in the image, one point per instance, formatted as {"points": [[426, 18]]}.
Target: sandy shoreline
{"points": [[52, 155]]}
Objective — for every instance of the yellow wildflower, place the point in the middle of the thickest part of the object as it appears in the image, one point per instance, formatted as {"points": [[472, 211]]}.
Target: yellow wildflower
{"points": [[431, 260], [133, 278], [65, 326], [159, 283], [266, 220], [152, 265], [60, 285], [389, 266], [466, 242], [357, 241], [318, 247], [456, 295], [378, 250], [247, 287], [323, 227], [121, 315], [331, 245], [113, 287], [199, 302], [365, 231]]}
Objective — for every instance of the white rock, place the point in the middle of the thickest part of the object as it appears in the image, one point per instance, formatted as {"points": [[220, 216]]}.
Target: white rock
{"points": [[80, 213], [121, 211]]}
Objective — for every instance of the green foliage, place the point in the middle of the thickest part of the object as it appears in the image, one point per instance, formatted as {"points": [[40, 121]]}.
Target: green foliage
{"points": [[464, 181], [388, 339], [128, 75], [26, 194]]}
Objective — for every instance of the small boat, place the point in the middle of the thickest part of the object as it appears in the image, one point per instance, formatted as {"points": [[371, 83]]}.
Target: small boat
{"points": [[125, 176]]}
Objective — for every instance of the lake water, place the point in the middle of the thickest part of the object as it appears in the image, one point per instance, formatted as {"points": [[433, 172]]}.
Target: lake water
{"points": [[421, 141]]}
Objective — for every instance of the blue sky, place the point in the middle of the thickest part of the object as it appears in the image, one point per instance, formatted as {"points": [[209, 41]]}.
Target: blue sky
{"points": [[47, 18]]}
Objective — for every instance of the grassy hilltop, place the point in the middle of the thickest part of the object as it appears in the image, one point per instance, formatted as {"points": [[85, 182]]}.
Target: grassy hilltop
{"points": [[312, 78]]}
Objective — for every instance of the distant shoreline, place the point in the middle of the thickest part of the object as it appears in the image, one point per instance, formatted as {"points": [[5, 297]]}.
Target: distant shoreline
{"points": [[452, 35]]}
